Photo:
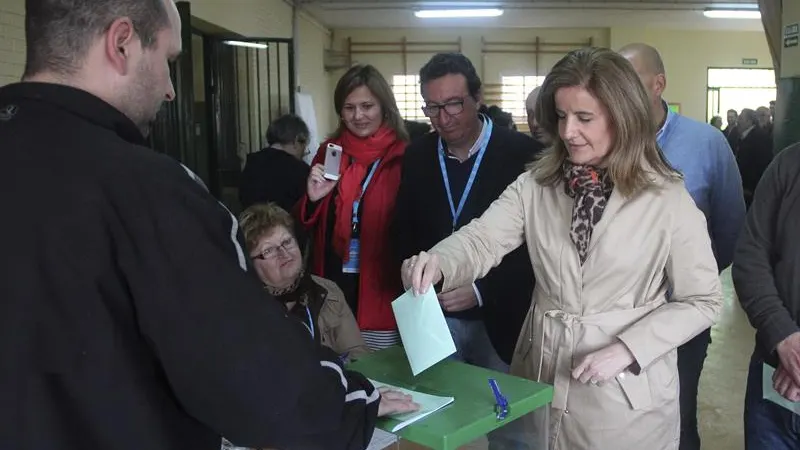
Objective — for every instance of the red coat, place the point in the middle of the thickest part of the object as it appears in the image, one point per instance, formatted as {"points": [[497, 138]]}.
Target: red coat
{"points": [[379, 283]]}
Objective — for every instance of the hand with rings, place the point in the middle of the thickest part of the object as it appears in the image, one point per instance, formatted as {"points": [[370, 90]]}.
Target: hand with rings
{"points": [[420, 272], [601, 366]]}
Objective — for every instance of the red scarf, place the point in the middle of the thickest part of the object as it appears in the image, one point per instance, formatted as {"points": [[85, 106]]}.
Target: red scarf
{"points": [[361, 152]]}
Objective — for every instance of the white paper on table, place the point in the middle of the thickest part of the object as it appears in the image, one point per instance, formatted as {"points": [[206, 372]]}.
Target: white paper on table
{"points": [[428, 404], [381, 439]]}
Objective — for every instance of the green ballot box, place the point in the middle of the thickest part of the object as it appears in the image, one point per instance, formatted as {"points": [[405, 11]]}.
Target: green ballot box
{"points": [[472, 413]]}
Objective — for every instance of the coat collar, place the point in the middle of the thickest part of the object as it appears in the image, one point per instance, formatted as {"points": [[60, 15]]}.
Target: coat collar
{"points": [[78, 102]]}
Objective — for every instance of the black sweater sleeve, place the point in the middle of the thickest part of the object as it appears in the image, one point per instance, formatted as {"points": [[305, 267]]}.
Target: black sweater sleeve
{"points": [[756, 253], [232, 357]]}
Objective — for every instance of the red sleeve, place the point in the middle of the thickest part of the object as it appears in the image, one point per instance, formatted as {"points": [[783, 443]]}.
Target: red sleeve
{"points": [[307, 214]]}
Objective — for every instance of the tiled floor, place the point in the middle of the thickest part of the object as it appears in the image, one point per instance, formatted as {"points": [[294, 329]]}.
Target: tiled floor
{"points": [[722, 385]]}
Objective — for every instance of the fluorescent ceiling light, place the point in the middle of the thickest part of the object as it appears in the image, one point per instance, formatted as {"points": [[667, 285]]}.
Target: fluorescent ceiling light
{"points": [[246, 44], [732, 13], [457, 13]]}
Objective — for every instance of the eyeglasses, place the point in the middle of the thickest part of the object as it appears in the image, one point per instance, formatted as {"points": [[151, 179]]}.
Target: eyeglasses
{"points": [[451, 108], [286, 245]]}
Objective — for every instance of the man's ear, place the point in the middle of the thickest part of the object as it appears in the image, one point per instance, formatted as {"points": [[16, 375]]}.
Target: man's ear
{"points": [[661, 84], [119, 41], [479, 97]]}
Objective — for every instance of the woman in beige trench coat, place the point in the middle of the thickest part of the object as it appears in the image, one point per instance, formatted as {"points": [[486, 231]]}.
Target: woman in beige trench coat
{"points": [[610, 229]]}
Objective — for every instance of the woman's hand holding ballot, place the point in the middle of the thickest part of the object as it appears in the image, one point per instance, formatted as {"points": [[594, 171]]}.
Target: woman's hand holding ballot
{"points": [[420, 272]]}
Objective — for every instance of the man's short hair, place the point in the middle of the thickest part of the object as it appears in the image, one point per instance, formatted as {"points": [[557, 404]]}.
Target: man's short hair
{"points": [[286, 130], [59, 33], [443, 64]]}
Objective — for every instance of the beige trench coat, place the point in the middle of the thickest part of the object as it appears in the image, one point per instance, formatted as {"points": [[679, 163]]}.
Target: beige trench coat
{"points": [[640, 244]]}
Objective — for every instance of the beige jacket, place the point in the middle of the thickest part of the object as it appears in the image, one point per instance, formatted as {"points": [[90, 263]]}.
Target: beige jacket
{"points": [[639, 246], [337, 326]]}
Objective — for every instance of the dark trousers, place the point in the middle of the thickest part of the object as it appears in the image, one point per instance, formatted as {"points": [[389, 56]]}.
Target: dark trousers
{"points": [[767, 426], [691, 357]]}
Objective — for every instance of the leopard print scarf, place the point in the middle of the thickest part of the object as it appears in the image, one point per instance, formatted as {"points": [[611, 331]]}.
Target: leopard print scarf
{"points": [[590, 187]]}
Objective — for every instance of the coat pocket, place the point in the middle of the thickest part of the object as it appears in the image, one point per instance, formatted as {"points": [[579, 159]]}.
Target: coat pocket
{"points": [[636, 389]]}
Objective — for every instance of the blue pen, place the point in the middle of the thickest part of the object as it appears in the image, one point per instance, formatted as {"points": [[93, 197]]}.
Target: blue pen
{"points": [[501, 405]]}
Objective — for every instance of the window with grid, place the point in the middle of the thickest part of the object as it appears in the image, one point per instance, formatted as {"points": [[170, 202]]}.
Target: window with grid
{"points": [[408, 96], [515, 90]]}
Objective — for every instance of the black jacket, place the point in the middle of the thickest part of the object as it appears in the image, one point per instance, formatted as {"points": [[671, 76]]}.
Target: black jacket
{"points": [[423, 218], [130, 317], [767, 259], [753, 155], [272, 175]]}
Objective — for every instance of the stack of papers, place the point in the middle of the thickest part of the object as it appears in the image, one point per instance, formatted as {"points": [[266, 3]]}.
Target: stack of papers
{"points": [[423, 329], [772, 395], [428, 404], [381, 439]]}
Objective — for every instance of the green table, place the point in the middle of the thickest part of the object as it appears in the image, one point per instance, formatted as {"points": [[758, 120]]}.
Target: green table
{"points": [[471, 415]]}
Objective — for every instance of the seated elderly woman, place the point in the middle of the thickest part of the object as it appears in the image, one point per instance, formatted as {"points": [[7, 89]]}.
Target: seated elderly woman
{"points": [[318, 303]]}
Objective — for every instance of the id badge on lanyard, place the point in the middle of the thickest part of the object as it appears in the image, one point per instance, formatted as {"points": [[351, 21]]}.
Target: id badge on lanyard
{"points": [[353, 263]]}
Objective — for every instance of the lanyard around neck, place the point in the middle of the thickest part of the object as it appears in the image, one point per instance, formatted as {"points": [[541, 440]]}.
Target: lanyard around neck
{"points": [[310, 325], [456, 213], [357, 203]]}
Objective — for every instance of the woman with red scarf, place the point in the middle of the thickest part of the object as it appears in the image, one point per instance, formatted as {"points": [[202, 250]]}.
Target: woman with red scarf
{"points": [[349, 218]]}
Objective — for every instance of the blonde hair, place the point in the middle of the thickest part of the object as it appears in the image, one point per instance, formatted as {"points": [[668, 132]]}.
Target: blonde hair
{"points": [[610, 78], [369, 76], [260, 219]]}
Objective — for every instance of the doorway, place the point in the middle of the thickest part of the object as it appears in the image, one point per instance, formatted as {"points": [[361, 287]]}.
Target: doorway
{"points": [[228, 88], [736, 89]]}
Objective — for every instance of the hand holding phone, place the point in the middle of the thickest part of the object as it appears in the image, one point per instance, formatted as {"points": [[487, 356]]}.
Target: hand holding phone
{"points": [[333, 161], [318, 186]]}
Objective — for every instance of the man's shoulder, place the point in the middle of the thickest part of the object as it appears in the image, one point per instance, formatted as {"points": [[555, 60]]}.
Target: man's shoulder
{"points": [[515, 146], [702, 136]]}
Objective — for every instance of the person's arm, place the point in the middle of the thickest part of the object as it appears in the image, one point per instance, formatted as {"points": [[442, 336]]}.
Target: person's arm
{"points": [[756, 251], [309, 213], [472, 251], [727, 203], [232, 358], [347, 339], [696, 290]]}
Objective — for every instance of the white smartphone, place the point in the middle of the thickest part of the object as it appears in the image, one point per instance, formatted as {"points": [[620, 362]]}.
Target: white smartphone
{"points": [[333, 160]]}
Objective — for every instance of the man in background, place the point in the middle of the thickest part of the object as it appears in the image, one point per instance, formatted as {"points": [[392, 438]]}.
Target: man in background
{"points": [[530, 106], [130, 316], [753, 152], [712, 178], [731, 131]]}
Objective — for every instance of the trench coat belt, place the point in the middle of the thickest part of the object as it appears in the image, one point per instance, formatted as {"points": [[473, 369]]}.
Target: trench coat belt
{"points": [[563, 353]]}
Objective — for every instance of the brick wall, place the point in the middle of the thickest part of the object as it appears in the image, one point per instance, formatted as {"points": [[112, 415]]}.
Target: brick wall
{"points": [[12, 40]]}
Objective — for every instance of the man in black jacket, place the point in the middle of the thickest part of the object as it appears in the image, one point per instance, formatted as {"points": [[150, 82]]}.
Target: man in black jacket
{"points": [[277, 173], [451, 177], [130, 316], [765, 274]]}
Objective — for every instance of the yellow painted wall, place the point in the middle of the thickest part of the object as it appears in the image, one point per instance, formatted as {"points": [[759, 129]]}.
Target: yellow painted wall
{"points": [[12, 40], [790, 58], [688, 54], [491, 66]]}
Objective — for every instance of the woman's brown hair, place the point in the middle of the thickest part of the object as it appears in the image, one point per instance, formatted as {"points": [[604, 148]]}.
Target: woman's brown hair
{"points": [[610, 78], [262, 218], [367, 75]]}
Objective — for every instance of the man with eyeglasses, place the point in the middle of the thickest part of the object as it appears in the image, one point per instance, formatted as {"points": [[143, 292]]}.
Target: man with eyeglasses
{"points": [[450, 177]]}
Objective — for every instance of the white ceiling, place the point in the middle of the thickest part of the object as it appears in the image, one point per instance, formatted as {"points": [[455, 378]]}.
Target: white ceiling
{"points": [[674, 14]]}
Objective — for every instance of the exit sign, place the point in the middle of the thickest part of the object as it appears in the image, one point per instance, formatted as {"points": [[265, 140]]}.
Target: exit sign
{"points": [[749, 61]]}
